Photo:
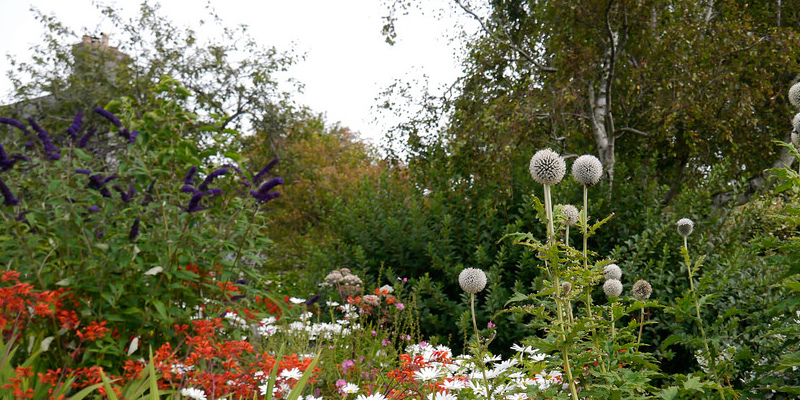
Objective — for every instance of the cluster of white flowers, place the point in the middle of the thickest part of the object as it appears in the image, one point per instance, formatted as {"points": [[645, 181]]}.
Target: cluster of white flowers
{"points": [[341, 277], [318, 330], [612, 287]]}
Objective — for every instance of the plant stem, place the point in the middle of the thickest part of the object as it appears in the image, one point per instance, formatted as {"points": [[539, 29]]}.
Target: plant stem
{"points": [[478, 343], [548, 208]]}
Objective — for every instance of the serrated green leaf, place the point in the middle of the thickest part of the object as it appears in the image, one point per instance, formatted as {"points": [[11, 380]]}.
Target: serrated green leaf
{"points": [[694, 383]]}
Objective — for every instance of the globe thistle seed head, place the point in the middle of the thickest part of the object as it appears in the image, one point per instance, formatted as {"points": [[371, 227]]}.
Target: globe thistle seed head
{"points": [[612, 288], [685, 227], [547, 167], [794, 94], [571, 213], [612, 271], [566, 287], [642, 289], [472, 280], [587, 170]]}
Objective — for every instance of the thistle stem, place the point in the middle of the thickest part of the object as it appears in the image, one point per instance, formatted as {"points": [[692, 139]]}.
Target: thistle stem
{"points": [[548, 208], [478, 343]]}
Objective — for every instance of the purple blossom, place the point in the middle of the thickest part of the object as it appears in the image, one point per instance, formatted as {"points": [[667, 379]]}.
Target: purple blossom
{"points": [[132, 138], [126, 196], [97, 181], [50, 149], [85, 138], [94, 208], [260, 175], [233, 167], [213, 192], [109, 116], [15, 123], [194, 203], [7, 162], [72, 131], [189, 189], [125, 133], [313, 300], [134, 230], [8, 197], [189, 178], [210, 178], [262, 194]]}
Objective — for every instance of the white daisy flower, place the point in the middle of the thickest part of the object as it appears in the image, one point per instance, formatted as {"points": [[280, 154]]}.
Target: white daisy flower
{"points": [[293, 373], [192, 393], [428, 374]]}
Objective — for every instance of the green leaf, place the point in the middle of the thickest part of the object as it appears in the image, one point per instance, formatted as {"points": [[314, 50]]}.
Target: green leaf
{"points": [[668, 393], [694, 383]]}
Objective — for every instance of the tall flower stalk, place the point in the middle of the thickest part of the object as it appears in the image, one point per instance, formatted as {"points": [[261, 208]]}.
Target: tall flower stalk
{"points": [[548, 168], [685, 228], [473, 280]]}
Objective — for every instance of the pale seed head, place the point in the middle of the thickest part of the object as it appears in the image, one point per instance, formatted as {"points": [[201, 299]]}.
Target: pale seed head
{"points": [[587, 170], [612, 271], [566, 287], [794, 94], [547, 167], [642, 289], [685, 227], [612, 288], [472, 280], [571, 213]]}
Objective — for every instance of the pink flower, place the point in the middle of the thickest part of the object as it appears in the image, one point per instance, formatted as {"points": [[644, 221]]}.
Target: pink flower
{"points": [[374, 333], [400, 306], [385, 342], [347, 364], [491, 324]]}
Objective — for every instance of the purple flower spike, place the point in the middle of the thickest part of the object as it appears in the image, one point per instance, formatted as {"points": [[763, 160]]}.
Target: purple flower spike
{"points": [[8, 197], [125, 133], [189, 189], [313, 300], [210, 178], [213, 192], [49, 148], [14, 123], [132, 138], [125, 196], [72, 131], [194, 203], [260, 175], [134, 230], [94, 208], [85, 138], [109, 116], [7, 162], [83, 171], [189, 178], [263, 195]]}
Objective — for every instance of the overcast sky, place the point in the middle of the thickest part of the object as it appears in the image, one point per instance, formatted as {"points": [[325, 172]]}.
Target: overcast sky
{"points": [[347, 61]]}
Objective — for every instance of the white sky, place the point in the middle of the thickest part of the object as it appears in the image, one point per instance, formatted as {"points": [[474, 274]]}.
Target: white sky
{"points": [[347, 61]]}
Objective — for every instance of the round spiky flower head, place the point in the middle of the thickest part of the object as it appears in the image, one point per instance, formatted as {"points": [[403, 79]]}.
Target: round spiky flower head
{"points": [[613, 288], [796, 123], [612, 271], [642, 289], [472, 280], [566, 287], [685, 227], [571, 213], [794, 94], [587, 170], [547, 167]]}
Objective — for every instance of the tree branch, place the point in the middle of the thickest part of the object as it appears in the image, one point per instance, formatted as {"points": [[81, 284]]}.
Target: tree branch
{"points": [[529, 57]]}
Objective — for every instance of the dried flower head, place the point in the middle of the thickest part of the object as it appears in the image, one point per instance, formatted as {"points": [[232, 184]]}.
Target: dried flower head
{"points": [[642, 289], [794, 94], [371, 300], [472, 280], [566, 287], [571, 213], [547, 167], [612, 288], [685, 227], [612, 271], [587, 170], [796, 139]]}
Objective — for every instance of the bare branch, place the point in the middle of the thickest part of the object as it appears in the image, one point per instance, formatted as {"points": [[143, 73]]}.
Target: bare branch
{"points": [[631, 130], [529, 57]]}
